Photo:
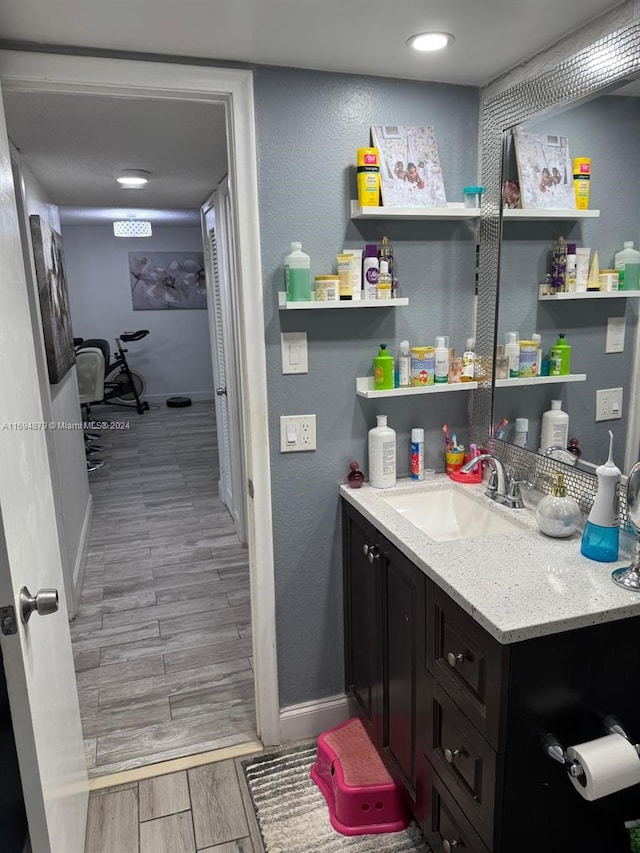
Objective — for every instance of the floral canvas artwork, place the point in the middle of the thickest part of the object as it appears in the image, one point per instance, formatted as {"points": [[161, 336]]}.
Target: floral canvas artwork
{"points": [[410, 171], [544, 170], [167, 280], [54, 299]]}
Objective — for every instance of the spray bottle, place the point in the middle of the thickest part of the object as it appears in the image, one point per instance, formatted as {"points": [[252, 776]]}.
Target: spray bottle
{"points": [[601, 533]]}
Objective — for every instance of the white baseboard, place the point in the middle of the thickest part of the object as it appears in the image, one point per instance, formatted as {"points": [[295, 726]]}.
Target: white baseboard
{"points": [[310, 719], [81, 556], [196, 396]]}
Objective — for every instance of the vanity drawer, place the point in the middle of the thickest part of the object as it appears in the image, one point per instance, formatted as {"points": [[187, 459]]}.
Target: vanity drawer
{"points": [[462, 758], [468, 663], [446, 828]]}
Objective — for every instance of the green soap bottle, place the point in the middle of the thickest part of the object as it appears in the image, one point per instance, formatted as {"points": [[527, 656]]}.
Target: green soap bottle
{"points": [[383, 370], [560, 355]]}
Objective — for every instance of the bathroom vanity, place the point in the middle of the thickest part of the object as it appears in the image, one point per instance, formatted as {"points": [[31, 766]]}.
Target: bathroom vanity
{"points": [[462, 655]]}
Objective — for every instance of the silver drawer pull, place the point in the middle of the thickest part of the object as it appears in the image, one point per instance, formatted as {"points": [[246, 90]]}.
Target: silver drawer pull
{"points": [[448, 846], [451, 755], [453, 659]]}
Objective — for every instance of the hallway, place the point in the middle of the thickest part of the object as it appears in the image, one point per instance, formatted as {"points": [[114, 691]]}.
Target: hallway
{"points": [[162, 642]]}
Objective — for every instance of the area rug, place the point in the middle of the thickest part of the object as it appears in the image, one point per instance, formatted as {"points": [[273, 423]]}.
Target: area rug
{"points": [[292, 814]]}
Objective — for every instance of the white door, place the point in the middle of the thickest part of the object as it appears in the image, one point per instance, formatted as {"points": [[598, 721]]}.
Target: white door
{"points": [[38, 660], [220, 251]]}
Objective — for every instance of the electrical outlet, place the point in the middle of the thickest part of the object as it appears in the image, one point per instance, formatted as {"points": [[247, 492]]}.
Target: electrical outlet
{"points": [[608, 404], [297, 432]]}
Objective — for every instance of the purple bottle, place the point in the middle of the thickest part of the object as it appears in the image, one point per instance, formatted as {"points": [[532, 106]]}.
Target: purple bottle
{"points": [[370, 270]]}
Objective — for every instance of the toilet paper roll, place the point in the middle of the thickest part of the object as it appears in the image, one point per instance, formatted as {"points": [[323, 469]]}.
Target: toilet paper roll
{"points": [[610, 764]]}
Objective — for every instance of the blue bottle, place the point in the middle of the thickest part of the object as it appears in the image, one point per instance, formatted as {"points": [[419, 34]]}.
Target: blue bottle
{"points": [[601, 534]]}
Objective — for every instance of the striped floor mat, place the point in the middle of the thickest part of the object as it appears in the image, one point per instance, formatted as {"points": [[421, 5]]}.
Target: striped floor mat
{"points": [[293, 816]]}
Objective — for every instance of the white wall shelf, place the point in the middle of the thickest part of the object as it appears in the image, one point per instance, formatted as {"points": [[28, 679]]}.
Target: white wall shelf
{"points": [[541, 213], [453, 210], [594, 294], [364, 388], [314, 305], [540, 380]]}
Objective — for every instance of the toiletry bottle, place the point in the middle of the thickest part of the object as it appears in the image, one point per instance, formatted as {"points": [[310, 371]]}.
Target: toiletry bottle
{"points": [[385, 253], [297, 274], [345, 275], [600, 537], [368, 177], [537, 338], [555, 427], [559, 266], [403, 365], [572, 267], [512, 352], [560, 357], [583, 254], [581, 180], [417, 454], [627, 262], [593, 282], [442, 362], [469, 362], [522, 432], [383, 370], [384, 281], [382, 455], [370, 269], [557, 514]]}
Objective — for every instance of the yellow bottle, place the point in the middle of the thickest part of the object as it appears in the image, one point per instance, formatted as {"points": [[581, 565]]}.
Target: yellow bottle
{"points": [[581, 181], [368, 177]]}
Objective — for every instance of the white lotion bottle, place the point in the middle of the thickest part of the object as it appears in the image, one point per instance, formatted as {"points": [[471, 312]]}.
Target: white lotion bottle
{"points": [[555, 427], [512, 352], [442, 362], [382, 455], [404, 365]]}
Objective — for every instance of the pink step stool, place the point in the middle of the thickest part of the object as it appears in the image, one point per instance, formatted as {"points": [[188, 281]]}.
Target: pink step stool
{"points": [[361, 795]]}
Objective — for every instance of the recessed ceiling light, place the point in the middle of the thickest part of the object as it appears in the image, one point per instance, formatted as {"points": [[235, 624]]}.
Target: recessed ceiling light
{"points": [[133, 179], [430, 41]]}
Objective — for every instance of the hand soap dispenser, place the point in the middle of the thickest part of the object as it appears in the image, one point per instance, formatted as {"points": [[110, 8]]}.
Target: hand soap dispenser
{"points": [[557, 514], [601, 532]]}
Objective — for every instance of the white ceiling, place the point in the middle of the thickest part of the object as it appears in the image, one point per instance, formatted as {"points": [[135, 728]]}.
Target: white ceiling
{"points": [[76, 144]]}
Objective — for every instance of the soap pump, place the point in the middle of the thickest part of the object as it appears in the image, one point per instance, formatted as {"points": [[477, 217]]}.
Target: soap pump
{"points": [[601, 533]]}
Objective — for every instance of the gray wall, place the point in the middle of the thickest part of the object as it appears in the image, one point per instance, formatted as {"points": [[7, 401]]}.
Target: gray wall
{"points": [[605, 129], [309, 125], [176, 357]]}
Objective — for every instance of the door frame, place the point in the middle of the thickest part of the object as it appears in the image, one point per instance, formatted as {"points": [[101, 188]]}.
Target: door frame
{"points": [[41, 72]]}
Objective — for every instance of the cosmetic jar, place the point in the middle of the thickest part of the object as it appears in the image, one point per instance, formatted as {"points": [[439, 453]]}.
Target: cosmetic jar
{"points": [[472, 196]]}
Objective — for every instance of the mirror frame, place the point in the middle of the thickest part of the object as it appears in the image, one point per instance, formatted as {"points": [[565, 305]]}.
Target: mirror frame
{"points": [[586, 73]]}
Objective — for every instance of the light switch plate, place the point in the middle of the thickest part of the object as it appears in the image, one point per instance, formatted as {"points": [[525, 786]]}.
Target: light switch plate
{"points": [[615, 334], [297, 432], [294, 352]]}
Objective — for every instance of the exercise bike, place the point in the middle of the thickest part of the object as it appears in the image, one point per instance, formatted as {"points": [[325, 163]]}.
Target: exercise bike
{"points": [[122, 386]]}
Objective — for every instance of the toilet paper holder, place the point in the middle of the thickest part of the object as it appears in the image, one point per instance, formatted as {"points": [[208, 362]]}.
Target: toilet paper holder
{"points": [[552, 747]]}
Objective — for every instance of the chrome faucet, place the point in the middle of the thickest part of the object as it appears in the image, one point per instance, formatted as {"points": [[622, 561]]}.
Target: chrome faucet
{"points": [[500, 488]]}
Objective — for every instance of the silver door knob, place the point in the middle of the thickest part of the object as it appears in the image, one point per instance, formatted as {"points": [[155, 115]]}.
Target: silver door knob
{"points": [[448, 846], [453, 659], [43, 603], [221, 392], [451, 755]]}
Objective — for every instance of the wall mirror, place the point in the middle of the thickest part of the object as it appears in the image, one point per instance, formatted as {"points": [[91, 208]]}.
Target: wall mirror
{"points": [[592, 100]]}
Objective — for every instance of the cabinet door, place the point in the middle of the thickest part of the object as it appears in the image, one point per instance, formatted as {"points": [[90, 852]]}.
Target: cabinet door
{"points": [[362, 568], [404, 612]]}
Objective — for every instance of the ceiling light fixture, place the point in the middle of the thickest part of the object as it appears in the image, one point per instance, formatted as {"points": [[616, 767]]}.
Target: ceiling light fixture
{"points": [[430, 41], [133, 179], [132, 228]]}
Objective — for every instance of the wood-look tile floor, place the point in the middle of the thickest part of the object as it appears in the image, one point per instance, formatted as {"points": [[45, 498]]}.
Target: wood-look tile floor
{"points": [[206, 809], [162, 641]]}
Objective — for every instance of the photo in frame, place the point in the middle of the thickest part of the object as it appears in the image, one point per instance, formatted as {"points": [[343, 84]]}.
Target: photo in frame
{"points": [[544, 171], [167, 280], [54, 298], [410, 170]]}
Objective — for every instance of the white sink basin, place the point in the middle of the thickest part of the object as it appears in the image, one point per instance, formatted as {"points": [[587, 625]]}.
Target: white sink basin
{"points": [[447, 514]]}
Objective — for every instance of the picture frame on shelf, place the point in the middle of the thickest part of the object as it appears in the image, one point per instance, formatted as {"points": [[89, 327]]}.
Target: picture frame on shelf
{"points": [[410, 170]]}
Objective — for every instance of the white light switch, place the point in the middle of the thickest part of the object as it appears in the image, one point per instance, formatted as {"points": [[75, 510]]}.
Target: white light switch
{"points": [[615, 334], [294, 352]]}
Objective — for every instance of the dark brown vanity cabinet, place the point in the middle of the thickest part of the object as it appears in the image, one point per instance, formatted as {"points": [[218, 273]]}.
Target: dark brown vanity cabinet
{"points": [[384, 601], [459, 717]]}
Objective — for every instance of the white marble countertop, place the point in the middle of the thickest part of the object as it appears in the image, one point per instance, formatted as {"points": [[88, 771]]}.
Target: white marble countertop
{"points": [[516, 585]]}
